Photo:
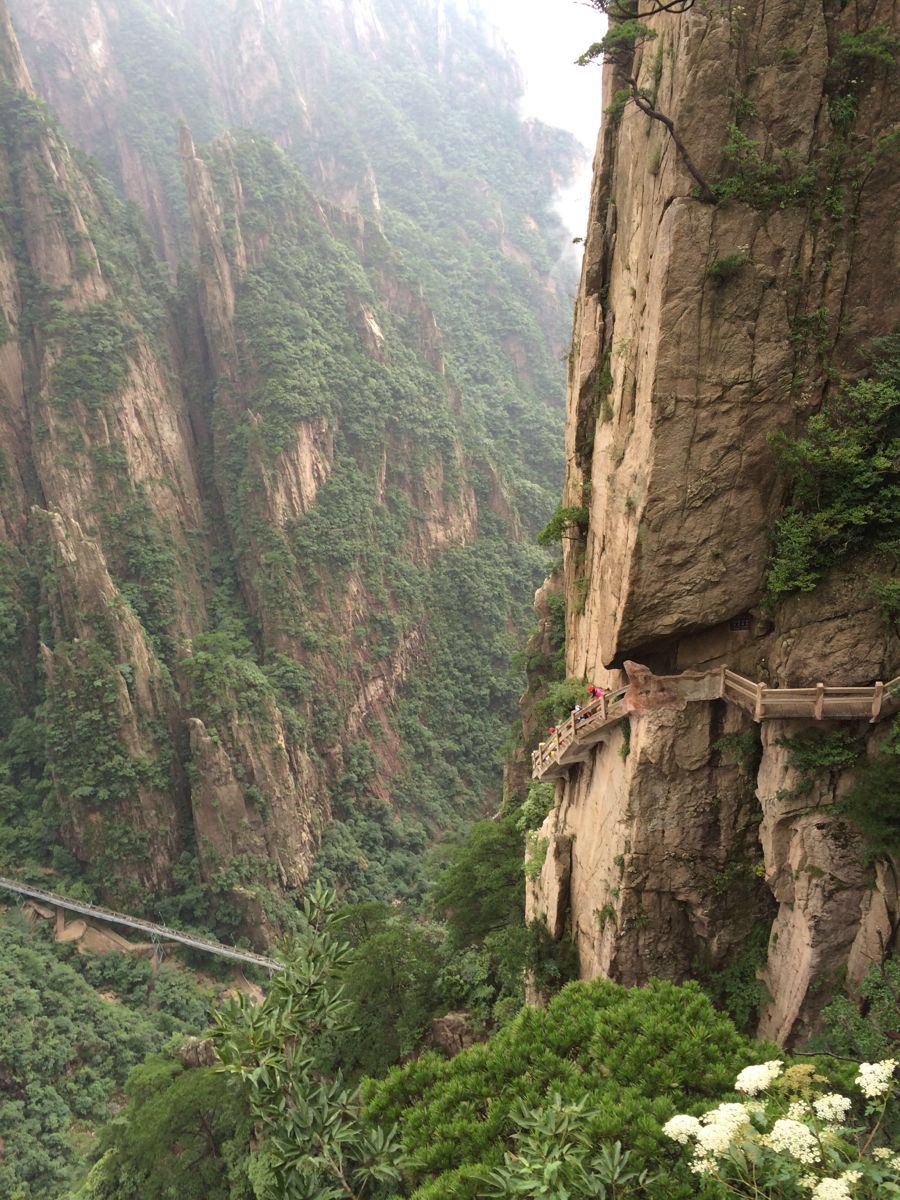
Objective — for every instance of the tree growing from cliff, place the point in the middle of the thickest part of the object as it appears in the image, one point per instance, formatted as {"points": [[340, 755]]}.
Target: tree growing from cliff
{"points": [[566, 522], [624, 10], [617, 49], [844, 478]]}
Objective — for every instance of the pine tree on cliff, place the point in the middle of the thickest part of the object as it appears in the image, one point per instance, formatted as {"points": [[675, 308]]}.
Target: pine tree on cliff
{"points": [[617, 49]]}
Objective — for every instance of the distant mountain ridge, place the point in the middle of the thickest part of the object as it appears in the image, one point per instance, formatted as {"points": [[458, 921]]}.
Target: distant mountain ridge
{"points": [[269, 496]]}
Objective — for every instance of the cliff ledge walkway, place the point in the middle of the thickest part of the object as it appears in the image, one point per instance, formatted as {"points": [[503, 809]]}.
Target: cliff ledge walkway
{"points": [[576, 737], [157, 933]]}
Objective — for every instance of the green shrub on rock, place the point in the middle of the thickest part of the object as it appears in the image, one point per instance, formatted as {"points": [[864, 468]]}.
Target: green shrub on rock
{"points": [[844, 478], [632, 1057]]}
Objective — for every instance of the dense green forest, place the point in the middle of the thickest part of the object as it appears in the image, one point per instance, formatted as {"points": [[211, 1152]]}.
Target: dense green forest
{"points": [[284, 307], [595, 1095]]}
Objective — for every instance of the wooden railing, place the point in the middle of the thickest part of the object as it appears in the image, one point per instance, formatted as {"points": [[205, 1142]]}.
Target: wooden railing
{"points": [[822, 703], [577, 729], [575, 736]]}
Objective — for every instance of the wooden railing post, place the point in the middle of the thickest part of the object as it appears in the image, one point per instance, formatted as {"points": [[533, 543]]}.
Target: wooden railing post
{"points": [[850, 703]]}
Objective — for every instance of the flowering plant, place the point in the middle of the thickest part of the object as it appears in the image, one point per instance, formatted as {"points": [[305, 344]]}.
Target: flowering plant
{"points": [[796, 1138]]}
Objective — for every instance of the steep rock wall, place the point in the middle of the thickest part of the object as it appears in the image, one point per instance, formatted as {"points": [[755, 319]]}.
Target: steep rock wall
{"points": [[275, 511], [701, 330], [89, 448]]}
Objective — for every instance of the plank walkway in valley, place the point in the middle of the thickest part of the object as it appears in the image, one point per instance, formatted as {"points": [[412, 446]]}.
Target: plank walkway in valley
{"points": [[160, 933], [576, 737]]}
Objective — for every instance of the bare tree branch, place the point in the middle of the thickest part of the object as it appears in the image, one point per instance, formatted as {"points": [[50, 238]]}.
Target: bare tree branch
{"points": [[628, 9], [644, 104], [617, 48]]}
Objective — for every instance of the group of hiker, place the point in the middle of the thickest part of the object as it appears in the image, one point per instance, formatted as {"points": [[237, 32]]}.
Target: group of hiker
{"points": [[578, 712]]}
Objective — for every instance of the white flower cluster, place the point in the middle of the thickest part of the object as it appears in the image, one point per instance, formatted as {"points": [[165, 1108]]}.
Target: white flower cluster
{"points": [[832, 1107], [753, 1080], [794, 1138], [874, 1079], [713, 1135], [723, 1138], [832, 1189], [682, 1128]]}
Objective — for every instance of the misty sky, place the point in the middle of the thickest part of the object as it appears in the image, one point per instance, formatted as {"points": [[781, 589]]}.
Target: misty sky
{"points": [[547, 36]]}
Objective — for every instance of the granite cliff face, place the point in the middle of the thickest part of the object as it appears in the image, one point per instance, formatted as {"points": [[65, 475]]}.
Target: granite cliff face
{"points": [[702, 330], [251, 521], [101, 449]]}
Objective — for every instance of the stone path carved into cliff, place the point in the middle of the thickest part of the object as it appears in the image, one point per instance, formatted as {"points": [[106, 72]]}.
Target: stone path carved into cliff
{"points": [[576, 737], [160, 933]]}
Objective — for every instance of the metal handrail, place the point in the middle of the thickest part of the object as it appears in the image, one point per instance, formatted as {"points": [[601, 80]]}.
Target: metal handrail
{"points": [[169, 935]]}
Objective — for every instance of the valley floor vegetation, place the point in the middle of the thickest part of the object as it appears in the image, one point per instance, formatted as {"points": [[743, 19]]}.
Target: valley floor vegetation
{"points": [[607, 1092]]}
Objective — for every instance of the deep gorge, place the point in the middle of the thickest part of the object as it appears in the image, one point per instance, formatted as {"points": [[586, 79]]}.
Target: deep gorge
{"points": [[313, 520]]}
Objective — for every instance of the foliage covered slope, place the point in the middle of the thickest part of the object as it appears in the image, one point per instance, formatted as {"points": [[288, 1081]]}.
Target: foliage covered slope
{"points": [[70, 1038], [311, 471]]}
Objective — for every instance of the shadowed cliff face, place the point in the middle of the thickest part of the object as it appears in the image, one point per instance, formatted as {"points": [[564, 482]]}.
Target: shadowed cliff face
{"points": [[101, 445], [250, 529], [95, 432], [702, 330]]}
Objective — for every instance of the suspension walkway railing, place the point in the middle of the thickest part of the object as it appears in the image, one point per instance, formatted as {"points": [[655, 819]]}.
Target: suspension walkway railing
{"points": [[159, 933], [576, 737]]}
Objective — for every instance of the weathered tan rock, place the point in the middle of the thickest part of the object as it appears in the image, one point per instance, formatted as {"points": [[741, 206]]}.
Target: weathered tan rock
{"points": [[86, 607], [648, 692], [834, 909], [548, 895], [281, 826], [678, 381], [879, 915], [197, 1052], [662, 848], [452, 1032], [684, 488]]}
